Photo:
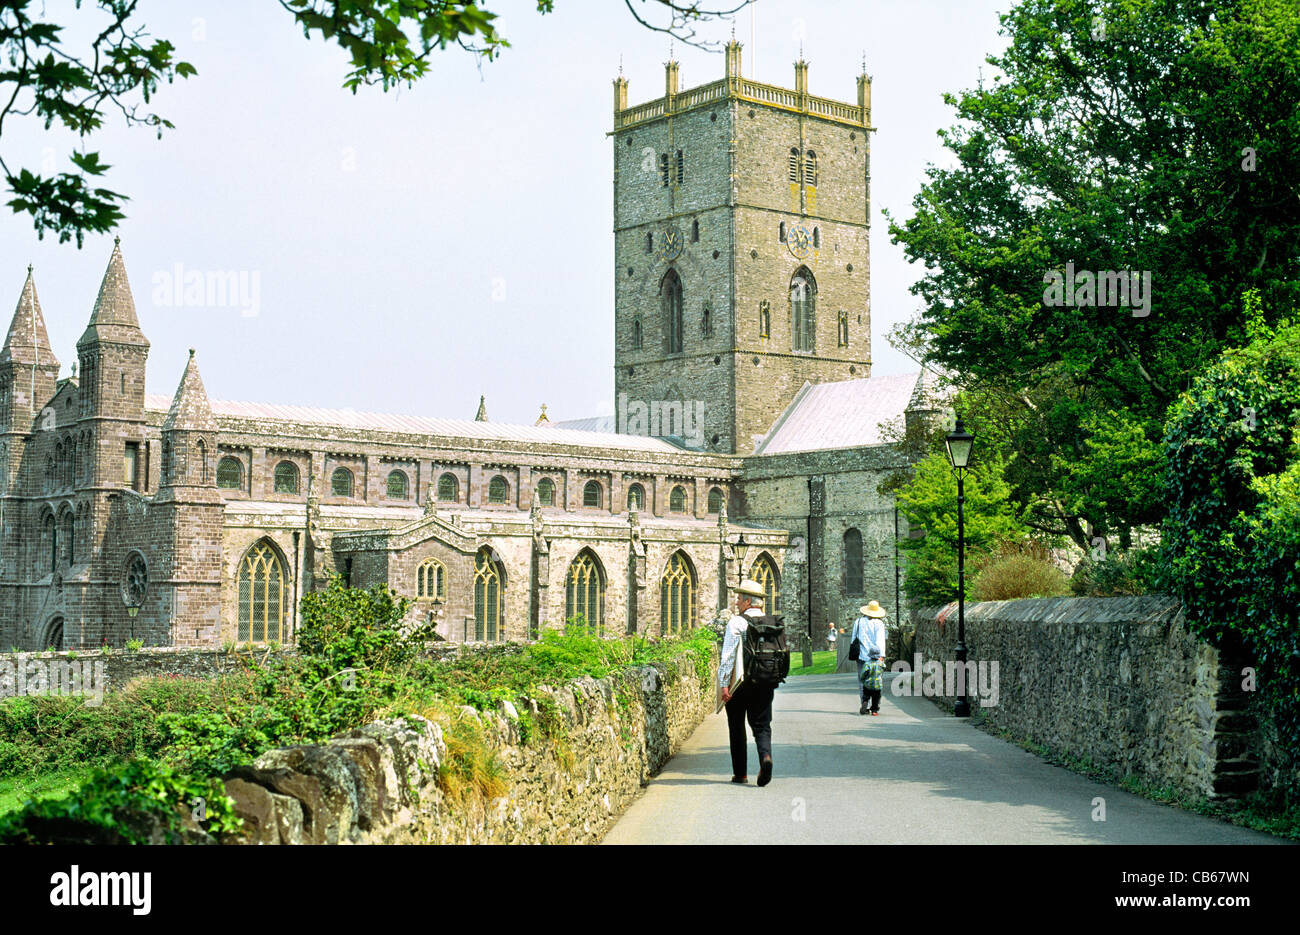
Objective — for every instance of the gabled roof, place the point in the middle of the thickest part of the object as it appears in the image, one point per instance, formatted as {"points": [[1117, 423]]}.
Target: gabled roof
{"points": [[845, 414], [27, 341], [424, 425]]}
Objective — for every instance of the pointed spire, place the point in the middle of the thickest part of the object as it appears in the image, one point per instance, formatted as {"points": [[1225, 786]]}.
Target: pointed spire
{"points": [[27, 341], [113, 318], [482, 410], [190, 410]]}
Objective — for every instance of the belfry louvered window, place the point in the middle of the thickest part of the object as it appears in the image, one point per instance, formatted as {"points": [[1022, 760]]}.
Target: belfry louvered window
{"points": [[810, 168], [794, 164]]}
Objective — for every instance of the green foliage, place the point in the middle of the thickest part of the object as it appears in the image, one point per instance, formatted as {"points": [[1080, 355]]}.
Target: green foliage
{"points": [[352, 658], [1232, 536], [1121, 573], [134, 646], [48, 733], [126, 805], [929, 501], [1146, 135]]}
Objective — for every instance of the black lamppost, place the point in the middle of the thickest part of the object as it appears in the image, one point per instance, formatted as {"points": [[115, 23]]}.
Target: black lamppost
{"points": [[959, 443]]}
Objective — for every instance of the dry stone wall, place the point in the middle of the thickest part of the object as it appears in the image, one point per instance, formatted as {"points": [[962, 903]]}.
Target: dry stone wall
{"points": [[1118, 681], [378, 784]]}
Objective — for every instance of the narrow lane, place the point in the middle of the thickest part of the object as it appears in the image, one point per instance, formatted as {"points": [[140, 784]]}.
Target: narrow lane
{"points": [[912, 775]]}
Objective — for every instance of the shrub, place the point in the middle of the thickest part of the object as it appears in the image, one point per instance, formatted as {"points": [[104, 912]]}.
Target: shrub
{"points": [[1017, 574], [1120, 574]]}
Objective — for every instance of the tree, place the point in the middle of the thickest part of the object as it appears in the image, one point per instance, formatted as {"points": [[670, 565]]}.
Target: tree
{"points": [[929, 501], [390, 42], [1153, 136]]}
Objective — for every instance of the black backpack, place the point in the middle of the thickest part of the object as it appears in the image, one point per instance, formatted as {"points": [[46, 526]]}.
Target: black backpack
{"points": [[767, 660]]}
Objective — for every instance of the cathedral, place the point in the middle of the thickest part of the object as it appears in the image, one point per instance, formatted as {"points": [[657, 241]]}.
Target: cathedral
{"points": [[748, 439]]}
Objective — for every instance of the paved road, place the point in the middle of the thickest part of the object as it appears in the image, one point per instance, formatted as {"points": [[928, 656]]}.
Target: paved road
{"points": [[912, 775]]}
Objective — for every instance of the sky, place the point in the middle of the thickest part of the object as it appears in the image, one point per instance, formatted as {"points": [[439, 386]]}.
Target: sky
{"points": [[409, 251]]}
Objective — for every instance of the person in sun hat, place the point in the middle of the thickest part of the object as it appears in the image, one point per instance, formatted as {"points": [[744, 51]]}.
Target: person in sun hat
{"points": [[869, 631], [745, 699]]}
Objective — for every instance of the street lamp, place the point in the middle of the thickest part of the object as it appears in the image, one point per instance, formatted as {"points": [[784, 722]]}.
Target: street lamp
{"points": [[959, 443]]}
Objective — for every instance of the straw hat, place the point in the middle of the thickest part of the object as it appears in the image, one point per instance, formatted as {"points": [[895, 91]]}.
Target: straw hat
{"points": [[750, 587], [872, 610]]}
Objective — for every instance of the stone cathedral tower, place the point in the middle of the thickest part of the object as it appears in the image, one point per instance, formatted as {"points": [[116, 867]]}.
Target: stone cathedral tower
{"points": [[742, 264]]}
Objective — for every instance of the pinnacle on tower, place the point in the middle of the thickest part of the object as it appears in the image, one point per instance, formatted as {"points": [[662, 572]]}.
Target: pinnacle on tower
{"points": [[482, 410], [190, 411], [113, 318], [27, 341]]}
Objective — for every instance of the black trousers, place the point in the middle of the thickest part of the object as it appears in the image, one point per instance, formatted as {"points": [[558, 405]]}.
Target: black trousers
{"points": [[754, 703]]}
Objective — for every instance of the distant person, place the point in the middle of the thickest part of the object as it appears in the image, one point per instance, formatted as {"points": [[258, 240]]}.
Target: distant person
{"points": [[869, 631], [747, 680], [831, 636]]}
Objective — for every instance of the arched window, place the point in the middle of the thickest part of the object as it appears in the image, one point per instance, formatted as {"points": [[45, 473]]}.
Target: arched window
{"points": [[715, 500], [498, 490], [663, 168], [637, 337], [765, 319], [677, 500], [341, 482], [803, 310], [592, 494], [695, 231], [431, 581], [681, 168], [263, 594], [67, 536], [677, 596], [810, 168], [50, 541], [794, 164], [489, 603], [230, 474], [201, 454], [706, 321], [398, 486], [54, 634], [765, 573], [817, 238], [636, 497], [852, 562], [649, 242], [286, 477], [546, 492], [670, 292], [448, 489], [844, 329], [584, 593], [780, 232]]}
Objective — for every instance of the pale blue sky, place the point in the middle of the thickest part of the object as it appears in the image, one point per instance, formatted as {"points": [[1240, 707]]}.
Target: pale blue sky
{"points": [[418, 248]]}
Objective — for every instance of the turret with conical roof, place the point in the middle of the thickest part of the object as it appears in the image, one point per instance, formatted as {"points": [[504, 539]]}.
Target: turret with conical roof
{"points": [[189, 434], [28, 368], [112, 353], [187, 518]]}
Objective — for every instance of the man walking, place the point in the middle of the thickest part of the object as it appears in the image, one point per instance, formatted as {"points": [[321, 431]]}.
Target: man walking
{"points": [[869, 631], [745, 699]]}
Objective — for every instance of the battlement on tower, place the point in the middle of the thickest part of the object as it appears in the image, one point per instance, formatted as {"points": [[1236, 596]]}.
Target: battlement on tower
{"points": [[734, 86]]}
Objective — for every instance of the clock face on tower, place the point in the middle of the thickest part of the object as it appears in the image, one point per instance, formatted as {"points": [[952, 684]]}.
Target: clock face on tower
{"points": [[800, 242], [670, 244]]}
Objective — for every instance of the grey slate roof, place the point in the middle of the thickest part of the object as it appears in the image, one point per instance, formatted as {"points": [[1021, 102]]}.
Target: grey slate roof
{"points": [[846, 414], [423, 425]]}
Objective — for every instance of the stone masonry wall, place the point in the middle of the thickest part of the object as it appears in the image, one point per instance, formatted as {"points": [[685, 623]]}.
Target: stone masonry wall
{"points": [[1118, 681], [377, 784]]}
